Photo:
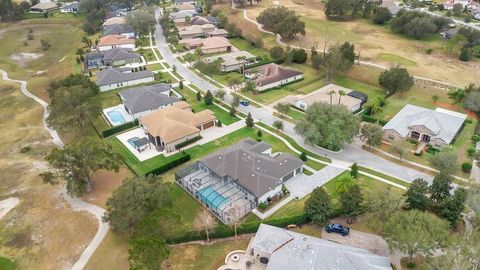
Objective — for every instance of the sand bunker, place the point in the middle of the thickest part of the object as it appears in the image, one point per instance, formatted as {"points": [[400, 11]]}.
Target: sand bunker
{"points": [[24, 58], [7, 205]]}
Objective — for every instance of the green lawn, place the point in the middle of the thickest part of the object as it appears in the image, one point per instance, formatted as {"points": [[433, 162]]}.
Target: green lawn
{"points": [[296, 114], [225, 78], [387, 177], [243, 45], [155, 67], [6, 264]]}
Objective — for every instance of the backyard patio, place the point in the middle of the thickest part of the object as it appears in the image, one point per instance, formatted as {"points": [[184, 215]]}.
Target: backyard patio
{"points": [[117, 115]]}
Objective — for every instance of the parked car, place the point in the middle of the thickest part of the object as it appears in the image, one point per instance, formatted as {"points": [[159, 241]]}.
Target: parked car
{"points": [[337, 228], [244, 102]]}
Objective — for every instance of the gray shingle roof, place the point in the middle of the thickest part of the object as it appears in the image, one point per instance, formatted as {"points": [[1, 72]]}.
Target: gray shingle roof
{"points": [[113, 76], [117, 29], [117, 54], [145, 98], [291, 250], [258, 173], [443, 124]]}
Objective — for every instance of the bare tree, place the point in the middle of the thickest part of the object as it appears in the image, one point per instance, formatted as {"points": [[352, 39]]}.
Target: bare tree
{"points": [[234, 214], [207, 223]]}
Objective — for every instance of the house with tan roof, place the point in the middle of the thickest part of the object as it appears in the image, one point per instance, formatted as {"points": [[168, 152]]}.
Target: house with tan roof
{"points": [[231, 61], [115, 41], [194, 31], [218, 33], [171, 126], [115, 20], [332, 94], [44, 7], [199, 20], [272, 75], [185, 7], [209, 44]]}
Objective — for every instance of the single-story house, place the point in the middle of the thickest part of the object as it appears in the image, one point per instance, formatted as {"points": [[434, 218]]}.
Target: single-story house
{"points": [[69, 8], [213, 20], [391, 6], [115, 41], [44, 7], [139, 101], [180, 2], [272, 75], [230, 60], [330, 93], [119, 29], [199, 20], [448, 5], [185, 7], [209, 44], [180, 17], [275, 248], [437, 127], [171, 126], [115, 20], [239, 177], [195, 31], [112, 78], [116, 57], [218, 33]]}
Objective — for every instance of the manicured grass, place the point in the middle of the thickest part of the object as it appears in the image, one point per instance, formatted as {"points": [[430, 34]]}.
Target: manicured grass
{"points": [[155, 67], [370, 90], [225, 78], [315, 165], [382, 175], [203, 257], [307, 172], [243, 45], [6, 264], [160, 57], [296, 114], [198, 106], [396, 59]]}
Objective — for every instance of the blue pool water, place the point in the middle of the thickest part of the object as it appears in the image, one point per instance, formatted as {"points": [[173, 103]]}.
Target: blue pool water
{"points": [[116, 117], [131, 140], [211, 197]]}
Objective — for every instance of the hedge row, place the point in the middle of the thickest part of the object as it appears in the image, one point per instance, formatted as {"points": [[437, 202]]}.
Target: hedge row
{"points": [[167, 166], [223, 231], [117, 129], [281, 86], [187, 142], [370, 119]]}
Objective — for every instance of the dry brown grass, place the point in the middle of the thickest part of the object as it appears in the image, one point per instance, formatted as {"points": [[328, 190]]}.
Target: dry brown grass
{"points": [[111, 254], [42, 232], [103, 184]]}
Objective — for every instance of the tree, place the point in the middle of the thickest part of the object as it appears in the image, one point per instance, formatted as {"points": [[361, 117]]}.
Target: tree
{"points": [[417, 195], [303, 156], [399, 147], [465, 54], [180, 85], [371, 134], [136, 198], [208, 98], [220, 94], [199, 96], [351, 201], [354, 170], [435, 98], [282, 21], [383, 205], [457, 9], [334, 63], [341, 93], [207, 223], [328, 125], [94, 15], [242, 59], [440, 188], [445, 160], [299, 56], [146, 253], [420, 27], [73, 104], [233, 83], [278, 125], [472, 101], [337, 8], [250, 87], [373, 106], [259, 133], [318, 206], [235, 216], [282, 108], [462, 252], [382, 16], [235, 101], [344, 183], [277, 53], [453, 207], [415, 232], [249, 121], [142, 20], [77, 162], [396, 79]]}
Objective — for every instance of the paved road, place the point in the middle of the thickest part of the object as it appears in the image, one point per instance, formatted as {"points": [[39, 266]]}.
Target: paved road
{"points": [[351, 153]]}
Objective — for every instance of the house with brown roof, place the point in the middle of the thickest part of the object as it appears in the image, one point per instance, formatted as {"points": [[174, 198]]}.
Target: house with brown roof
{"points": [[194, 31], [44, 7], [209, 44], [272, 75], [174, 125], [115, 41], [115, 20]]}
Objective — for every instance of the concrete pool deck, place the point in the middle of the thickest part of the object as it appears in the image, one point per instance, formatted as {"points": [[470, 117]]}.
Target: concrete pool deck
{"points": [[120, 109]]}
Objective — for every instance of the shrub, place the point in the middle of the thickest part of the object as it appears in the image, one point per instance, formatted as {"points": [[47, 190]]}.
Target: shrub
{"points": [[262, 206], [167, 166], [30, 36], [299, 56], [219, 123], [114, 130], [475, 138], [465, 55], [466, 167], [429, 51], [471, 152], [303, 156], [259, 133], [187, 142]]}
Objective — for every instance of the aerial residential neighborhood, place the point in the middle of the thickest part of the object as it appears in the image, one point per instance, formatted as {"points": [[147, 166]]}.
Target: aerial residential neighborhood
{"points": [[237, 135]]}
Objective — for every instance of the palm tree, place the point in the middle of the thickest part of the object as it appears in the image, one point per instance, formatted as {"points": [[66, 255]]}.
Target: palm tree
{"points": [[373, 106], [242, 60], [435, 98], [331, 93], [341, 93], [344, 183]]}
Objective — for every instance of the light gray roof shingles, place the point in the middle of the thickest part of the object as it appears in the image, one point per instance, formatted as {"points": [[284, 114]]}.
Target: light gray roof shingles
{"points": [[146, 98], [442, 123], [294, 250], [258, 173], [113, 76], [117, 54], [117, 29]]}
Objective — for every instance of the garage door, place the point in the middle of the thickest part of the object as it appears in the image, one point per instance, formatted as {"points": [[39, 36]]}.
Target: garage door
{"points": [[208, 125]]}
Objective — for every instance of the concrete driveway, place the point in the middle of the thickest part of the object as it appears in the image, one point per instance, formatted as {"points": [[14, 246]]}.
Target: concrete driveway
{"points": [[371, 242]]}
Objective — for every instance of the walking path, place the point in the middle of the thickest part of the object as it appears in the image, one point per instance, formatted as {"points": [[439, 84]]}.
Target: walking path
{"points": [[76, 203]]}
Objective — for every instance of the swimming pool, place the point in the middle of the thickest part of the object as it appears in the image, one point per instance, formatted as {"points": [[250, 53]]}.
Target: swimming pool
{"points": [[116, 117], [211, 197]]}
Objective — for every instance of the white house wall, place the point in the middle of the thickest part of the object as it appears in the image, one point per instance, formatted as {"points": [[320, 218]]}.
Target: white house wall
{"points": [[279, 83], [109, 47], [104, 88]]}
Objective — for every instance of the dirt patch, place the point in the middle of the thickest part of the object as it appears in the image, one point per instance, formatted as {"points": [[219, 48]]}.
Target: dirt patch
{"points": [[23, 58], [197, 223], [7, 205]]}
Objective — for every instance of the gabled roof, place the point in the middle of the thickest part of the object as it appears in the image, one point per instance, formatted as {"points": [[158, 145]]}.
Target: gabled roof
{"points": [[172, 123], [230, 59], [272, 72], [218, 32], [45, 6], [443, 124], [185, 6], [117, 29], [245, 163], [199, 20], [182, 14], [117, 54], [114, 76], [146, 98], [115, 40], [115, 20], [73, 6], [288, 248]]}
